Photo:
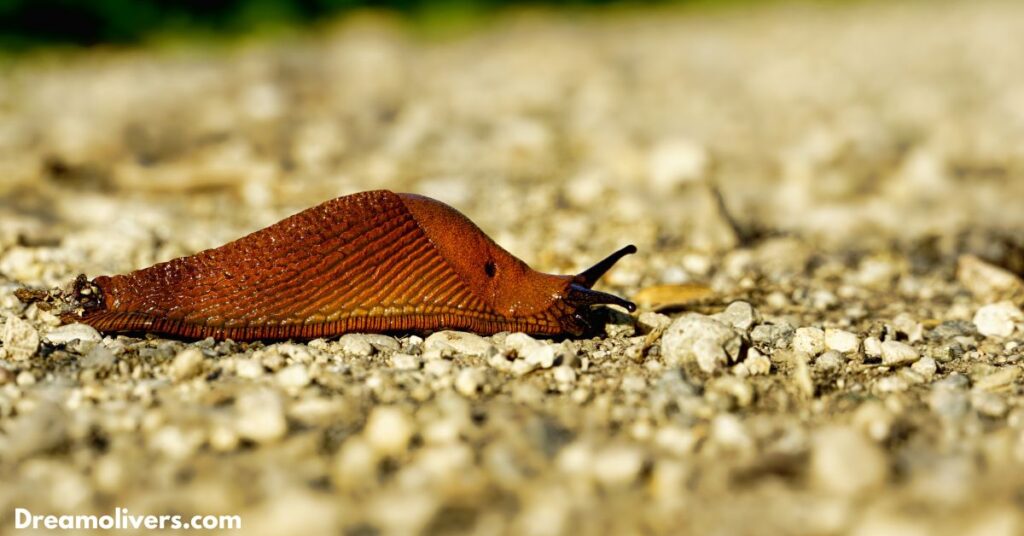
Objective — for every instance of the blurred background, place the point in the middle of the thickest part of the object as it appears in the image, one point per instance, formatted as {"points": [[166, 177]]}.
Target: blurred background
{"points": [[829, 161]]}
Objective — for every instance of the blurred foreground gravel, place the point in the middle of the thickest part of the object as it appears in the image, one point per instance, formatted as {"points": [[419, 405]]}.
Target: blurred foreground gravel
{"points": [[839, 343]]}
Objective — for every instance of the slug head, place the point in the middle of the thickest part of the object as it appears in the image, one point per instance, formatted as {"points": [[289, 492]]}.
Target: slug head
{"points": [[507, 284]]}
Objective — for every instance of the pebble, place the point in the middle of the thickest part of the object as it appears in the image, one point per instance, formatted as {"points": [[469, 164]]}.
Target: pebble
{"points": [[248, 368], [895, 353], [389, 430], [649, 321], [873, 347], [355, 344], [293, 376], [809, 340], [694, 337], [71, 332], [469, 381], [772, 335], [846, 463], [830, 361], [531, 352], [926, 367], [186, 364], [1001, 380], [20, 339], [987, 281], [740, 315], [260, 416], [998, 319], [618, 466], [676, 161], [405, 361], [756, 363], [448, 343], [841, 341]]}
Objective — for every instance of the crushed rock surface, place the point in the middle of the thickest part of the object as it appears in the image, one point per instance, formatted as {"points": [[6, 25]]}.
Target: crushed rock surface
{"points": [[840, 178]]}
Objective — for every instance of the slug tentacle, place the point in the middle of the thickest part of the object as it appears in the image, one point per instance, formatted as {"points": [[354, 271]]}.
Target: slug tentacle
{"points": [[588, 277], [374, 262]]}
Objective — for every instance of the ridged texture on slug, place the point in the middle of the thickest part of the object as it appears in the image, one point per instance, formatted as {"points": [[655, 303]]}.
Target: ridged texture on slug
{"points": [[357, 263]]}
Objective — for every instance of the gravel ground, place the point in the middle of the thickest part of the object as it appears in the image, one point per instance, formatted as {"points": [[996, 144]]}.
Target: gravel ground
{"points": [[830, 333]]}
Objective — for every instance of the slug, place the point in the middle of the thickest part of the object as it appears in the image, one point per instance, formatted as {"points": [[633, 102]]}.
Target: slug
{"points": [[368, 262]]}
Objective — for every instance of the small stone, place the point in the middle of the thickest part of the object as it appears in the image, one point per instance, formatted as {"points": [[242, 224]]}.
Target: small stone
{"points": [[618, 465], [536, 353], [293, 376], [73, 332], [439, 368], [405, 362], [388, 430], [248, 368], [1001, 380], [694, 337], [873, 347], [987, 281], [649, 321], [675, 161], [260, 416], [998, 319], [740, 315], [895, 353], [772, 335], [830, 361], [841, 341], [469, 381], [564, 375], [448, 343], [756, 363], [355, 464], [907, 325], [355, 344], [989, 404], [926, 367], [25, 378], [846, 463], [188, 363], [20, 339], [810, 340], [729, 434]]}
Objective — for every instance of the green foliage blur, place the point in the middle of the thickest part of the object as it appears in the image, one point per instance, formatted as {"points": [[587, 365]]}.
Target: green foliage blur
{"points": [[26, 24]]}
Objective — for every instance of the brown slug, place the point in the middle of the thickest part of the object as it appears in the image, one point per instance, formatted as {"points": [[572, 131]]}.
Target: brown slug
{"points": [[368, 262]]}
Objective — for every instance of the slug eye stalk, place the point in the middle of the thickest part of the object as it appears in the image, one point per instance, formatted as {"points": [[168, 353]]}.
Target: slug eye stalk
{"points": [[588, 277]]}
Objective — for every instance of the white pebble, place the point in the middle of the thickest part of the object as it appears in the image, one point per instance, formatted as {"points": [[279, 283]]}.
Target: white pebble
{"points": [[810, 341], [845, 462], [757, 363], [872, 347], [469, 381], [388, 430], [405, 362], [841, 341], [248, 368], [260, 416], [448, 343], [188, 363], [565, 375], [534, 352], [20, 339], [896, 353], [72, 332], [618, 465], [293, 376], [926, 367], [998, 319], [355, 344]]}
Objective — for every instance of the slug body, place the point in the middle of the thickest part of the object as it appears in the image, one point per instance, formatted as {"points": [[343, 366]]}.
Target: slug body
{"points": [[368, 262]]}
